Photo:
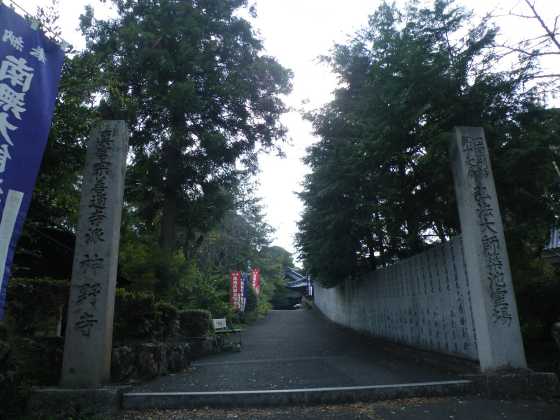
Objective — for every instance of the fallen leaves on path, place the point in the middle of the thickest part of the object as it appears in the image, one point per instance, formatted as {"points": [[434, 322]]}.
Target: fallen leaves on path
{"points": [[361, 410]]}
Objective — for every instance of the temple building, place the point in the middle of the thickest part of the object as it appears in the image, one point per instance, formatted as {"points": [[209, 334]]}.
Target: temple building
{"points": [[552, 248], [296, 287]]}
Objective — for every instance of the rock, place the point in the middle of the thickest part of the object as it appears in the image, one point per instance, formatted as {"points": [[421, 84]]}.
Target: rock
{"points": [[556, 333], [187, 355], [202, 347], [176, 329], [147, 366], [123, 363], [161, 358], [178, 357], [174, 358], [149, 359]]}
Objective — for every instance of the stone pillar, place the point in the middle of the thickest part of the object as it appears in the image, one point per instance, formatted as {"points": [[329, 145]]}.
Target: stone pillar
{"points": [[89, 329], [499, 341]]}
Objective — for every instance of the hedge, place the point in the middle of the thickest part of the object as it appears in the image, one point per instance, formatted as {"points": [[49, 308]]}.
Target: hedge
{"points": [[195, 323], [34, 305], [138, 316], [135, 316]]}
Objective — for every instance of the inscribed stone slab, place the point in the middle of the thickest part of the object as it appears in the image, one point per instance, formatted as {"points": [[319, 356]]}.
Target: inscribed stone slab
{"points": [[494, 308], [89, 329]]}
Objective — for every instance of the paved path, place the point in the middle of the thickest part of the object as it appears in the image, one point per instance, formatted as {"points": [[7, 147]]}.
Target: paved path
{"points": [[296, 349]]}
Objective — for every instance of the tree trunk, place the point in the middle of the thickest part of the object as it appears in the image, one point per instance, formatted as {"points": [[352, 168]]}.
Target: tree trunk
{"points": [[168, 233], [172, 188], [171, 198]]}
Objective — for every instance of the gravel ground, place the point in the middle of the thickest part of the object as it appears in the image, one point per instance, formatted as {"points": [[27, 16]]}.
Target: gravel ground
{"points": [[409, 409]]}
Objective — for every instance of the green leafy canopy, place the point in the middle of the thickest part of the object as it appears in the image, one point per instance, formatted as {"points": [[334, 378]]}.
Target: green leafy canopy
{"points": [[380, 187]]}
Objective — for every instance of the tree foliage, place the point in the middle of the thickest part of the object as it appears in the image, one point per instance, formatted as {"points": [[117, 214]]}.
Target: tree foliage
{"points": [[200, 96], [52, 217], [201, 99], [381, 186]]}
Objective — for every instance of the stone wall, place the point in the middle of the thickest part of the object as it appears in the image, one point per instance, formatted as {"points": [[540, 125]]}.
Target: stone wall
{"points": [[148, 360], [423, 301]]}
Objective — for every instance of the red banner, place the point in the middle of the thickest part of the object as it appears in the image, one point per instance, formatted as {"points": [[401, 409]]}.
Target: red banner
{"points": [[235, 289], [256, 280]]}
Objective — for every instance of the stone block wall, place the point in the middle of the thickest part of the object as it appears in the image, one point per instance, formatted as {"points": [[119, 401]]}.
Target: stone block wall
{"points": [[148, 360], [423, 301]]}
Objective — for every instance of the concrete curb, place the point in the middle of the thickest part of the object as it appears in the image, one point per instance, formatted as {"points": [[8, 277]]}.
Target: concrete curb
{"points": [[524, 384], [289, 397], [63, 403]]}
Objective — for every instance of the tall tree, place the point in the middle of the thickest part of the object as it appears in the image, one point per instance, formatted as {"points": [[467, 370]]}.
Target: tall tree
{"points": [[200, 96], [381, 187]]}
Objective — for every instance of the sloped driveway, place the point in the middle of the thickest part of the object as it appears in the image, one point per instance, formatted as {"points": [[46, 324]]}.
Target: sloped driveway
{"points": [[297, 349]]}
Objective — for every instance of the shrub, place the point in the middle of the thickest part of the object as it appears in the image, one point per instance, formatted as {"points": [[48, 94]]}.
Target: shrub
{"points": [[166, 316], [263, 307], [34, 304], [195, 322], [38, 359], [197, 290], [26, 362], [135, 315], [3, 331], [252, 300], [538, 294]]}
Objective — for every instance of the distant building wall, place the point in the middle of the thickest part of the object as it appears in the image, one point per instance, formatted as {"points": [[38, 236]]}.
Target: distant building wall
{"points": [[423, 301]]}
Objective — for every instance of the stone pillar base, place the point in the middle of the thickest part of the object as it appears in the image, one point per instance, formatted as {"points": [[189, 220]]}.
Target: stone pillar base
{"points": [[63, 403]]}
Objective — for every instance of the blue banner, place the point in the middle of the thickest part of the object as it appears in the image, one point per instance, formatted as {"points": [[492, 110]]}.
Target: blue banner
{"points": [[245, 277], [30, 66]]}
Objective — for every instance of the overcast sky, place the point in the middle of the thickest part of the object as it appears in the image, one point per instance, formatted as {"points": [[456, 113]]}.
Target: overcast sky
{"points": [[297, 32]]}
